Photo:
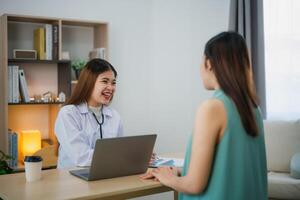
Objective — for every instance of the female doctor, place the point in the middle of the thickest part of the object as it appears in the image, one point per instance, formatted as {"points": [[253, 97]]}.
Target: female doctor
{"points": [[87, 115]]}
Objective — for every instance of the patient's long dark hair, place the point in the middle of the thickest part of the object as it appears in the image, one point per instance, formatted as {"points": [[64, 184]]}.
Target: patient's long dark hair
{"points": [[229, 58]]}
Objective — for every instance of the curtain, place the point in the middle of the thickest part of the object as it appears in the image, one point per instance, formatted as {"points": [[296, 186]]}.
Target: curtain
{"points": [[246, 18]]}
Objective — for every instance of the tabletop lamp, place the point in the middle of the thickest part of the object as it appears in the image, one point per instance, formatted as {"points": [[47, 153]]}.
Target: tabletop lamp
{"points": [[30, 142]]}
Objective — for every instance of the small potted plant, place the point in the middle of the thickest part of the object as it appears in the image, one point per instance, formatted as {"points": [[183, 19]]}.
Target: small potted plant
{"points": [[4, 168], [77, 66]]}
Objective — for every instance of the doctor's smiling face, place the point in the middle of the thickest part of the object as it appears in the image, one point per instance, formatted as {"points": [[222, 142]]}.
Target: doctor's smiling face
{"points": [[104, 89], [96, 84]]}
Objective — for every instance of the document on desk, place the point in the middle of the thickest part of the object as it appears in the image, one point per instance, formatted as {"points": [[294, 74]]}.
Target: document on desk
{"points": [[164, 161]]}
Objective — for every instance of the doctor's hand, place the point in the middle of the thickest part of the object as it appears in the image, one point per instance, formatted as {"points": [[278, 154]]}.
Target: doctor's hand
{"points": [[153, 158]]}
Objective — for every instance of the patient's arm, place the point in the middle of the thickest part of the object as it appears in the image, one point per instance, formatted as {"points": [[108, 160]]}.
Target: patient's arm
{"points": [[210, 122]]}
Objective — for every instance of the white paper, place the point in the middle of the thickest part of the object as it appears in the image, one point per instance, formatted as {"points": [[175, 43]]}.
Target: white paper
{"points": [[164, 161]]}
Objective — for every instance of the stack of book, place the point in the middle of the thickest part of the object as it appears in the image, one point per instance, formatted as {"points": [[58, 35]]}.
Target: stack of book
{"points": [[46, 42], [13, 148], [16, 84]]}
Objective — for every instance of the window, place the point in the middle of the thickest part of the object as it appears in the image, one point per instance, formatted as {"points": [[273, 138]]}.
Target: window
{"points": [[282, 58]]}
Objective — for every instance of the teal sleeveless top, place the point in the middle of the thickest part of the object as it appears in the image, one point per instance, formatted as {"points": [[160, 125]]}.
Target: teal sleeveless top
{"points": [[239, 170]]}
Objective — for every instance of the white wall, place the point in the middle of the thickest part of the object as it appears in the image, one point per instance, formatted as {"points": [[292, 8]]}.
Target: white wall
{"points": [[180, 30], [157, 48]]}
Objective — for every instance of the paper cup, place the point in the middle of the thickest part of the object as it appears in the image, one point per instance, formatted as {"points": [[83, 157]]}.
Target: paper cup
{"points": [[33, 168]]}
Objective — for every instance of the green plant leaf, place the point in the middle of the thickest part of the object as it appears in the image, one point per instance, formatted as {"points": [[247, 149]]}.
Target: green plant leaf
{"points": [[4, 168], [3, 156], [78, 64]]}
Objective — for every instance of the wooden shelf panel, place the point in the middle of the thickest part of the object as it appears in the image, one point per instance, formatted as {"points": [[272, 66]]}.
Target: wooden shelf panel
{"points": [[31, 19], [10, 61], [50, 20], [35, 103], [89, 23]]}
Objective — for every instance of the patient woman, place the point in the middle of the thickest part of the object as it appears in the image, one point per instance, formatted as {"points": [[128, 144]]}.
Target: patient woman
{"points": [[225, 157]]}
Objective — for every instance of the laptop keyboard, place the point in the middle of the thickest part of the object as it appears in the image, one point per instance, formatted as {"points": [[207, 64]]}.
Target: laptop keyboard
{"points": [[85, 174]]}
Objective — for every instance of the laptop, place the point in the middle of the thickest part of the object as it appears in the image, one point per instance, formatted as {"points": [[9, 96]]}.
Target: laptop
{"points": [[115, 157]]}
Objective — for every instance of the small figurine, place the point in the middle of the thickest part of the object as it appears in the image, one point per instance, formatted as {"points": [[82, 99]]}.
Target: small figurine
{"points": [[37, 98], [47, 97], [62, 97]]}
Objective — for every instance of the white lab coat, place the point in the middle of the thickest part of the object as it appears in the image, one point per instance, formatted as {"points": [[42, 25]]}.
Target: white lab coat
{"points": [[77, 131]]}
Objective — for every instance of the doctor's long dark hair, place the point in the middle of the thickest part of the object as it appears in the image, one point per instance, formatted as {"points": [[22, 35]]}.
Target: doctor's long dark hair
{"points": [[86, 82], [230, 62]]}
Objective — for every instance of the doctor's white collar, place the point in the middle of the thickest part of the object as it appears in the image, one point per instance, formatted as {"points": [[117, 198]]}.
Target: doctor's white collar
{"points": [[83, 108]]}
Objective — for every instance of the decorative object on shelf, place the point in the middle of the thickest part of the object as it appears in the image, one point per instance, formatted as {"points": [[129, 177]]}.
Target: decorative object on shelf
{"points": [[65, 55], [49, 155], [46, 142], [4, 168], [37, 98], [30, 142], [61, 97], [47, 97], [97, 53], [24, 54], [77, 66]]}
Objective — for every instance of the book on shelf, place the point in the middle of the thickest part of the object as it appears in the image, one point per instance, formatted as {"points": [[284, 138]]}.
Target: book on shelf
{"points": [[23, 87], [48, 40], [55, 41], [13, 148], [10, 95], [39, 43], [10, 162], [13, 84]]}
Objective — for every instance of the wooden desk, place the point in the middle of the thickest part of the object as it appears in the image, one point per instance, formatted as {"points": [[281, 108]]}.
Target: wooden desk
{"points": [[59, 184]]}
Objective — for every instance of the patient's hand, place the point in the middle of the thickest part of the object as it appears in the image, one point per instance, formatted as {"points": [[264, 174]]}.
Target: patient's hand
{"points": [[149, 175]]}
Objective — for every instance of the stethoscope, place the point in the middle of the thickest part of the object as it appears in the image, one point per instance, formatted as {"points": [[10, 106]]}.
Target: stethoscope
{"points": [[100, 123]]}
